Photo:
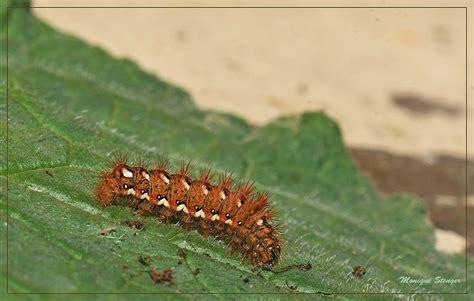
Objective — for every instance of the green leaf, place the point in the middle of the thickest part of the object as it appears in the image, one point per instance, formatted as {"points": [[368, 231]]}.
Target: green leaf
{"points": [[71, 105]]}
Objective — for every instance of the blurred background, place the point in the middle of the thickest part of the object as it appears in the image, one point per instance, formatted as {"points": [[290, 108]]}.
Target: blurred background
{"points": [[394, 79]]}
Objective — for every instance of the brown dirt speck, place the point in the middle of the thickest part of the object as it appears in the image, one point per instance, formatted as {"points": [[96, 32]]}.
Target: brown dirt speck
{"points": [[358, 271], [165, 276]]}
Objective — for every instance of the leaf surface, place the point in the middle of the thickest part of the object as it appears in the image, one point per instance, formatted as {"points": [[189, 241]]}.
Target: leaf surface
{"points": [[71, 105]]}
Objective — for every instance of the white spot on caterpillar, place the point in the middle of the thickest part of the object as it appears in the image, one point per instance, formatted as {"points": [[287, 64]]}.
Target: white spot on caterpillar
{"points": [[260, 222], [239, 204], [228, 222], [146, 176], [131, 191], [215, 217], [164, 202], [165, 178], [181, 207], [127, 173], [186, 185], [144, 196], [223, 196], [185, 210], [147, 197], [205, 190], [200, 213]]}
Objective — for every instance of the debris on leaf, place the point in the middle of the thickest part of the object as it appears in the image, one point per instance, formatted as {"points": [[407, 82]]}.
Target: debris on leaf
{"points": [[165, 276], [358, 271], [136, 224], [196, 271], [305, 266], [145, 260], [290, 286], [181, 253], [108, 230], [302, 266]]}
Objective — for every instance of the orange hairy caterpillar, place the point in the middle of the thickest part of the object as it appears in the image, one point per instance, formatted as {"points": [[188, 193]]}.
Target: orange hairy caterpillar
{"points": [[238, 216]]}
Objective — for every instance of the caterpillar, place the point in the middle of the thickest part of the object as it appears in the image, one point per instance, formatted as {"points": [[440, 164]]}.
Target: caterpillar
{"points": [[237, 216]]}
